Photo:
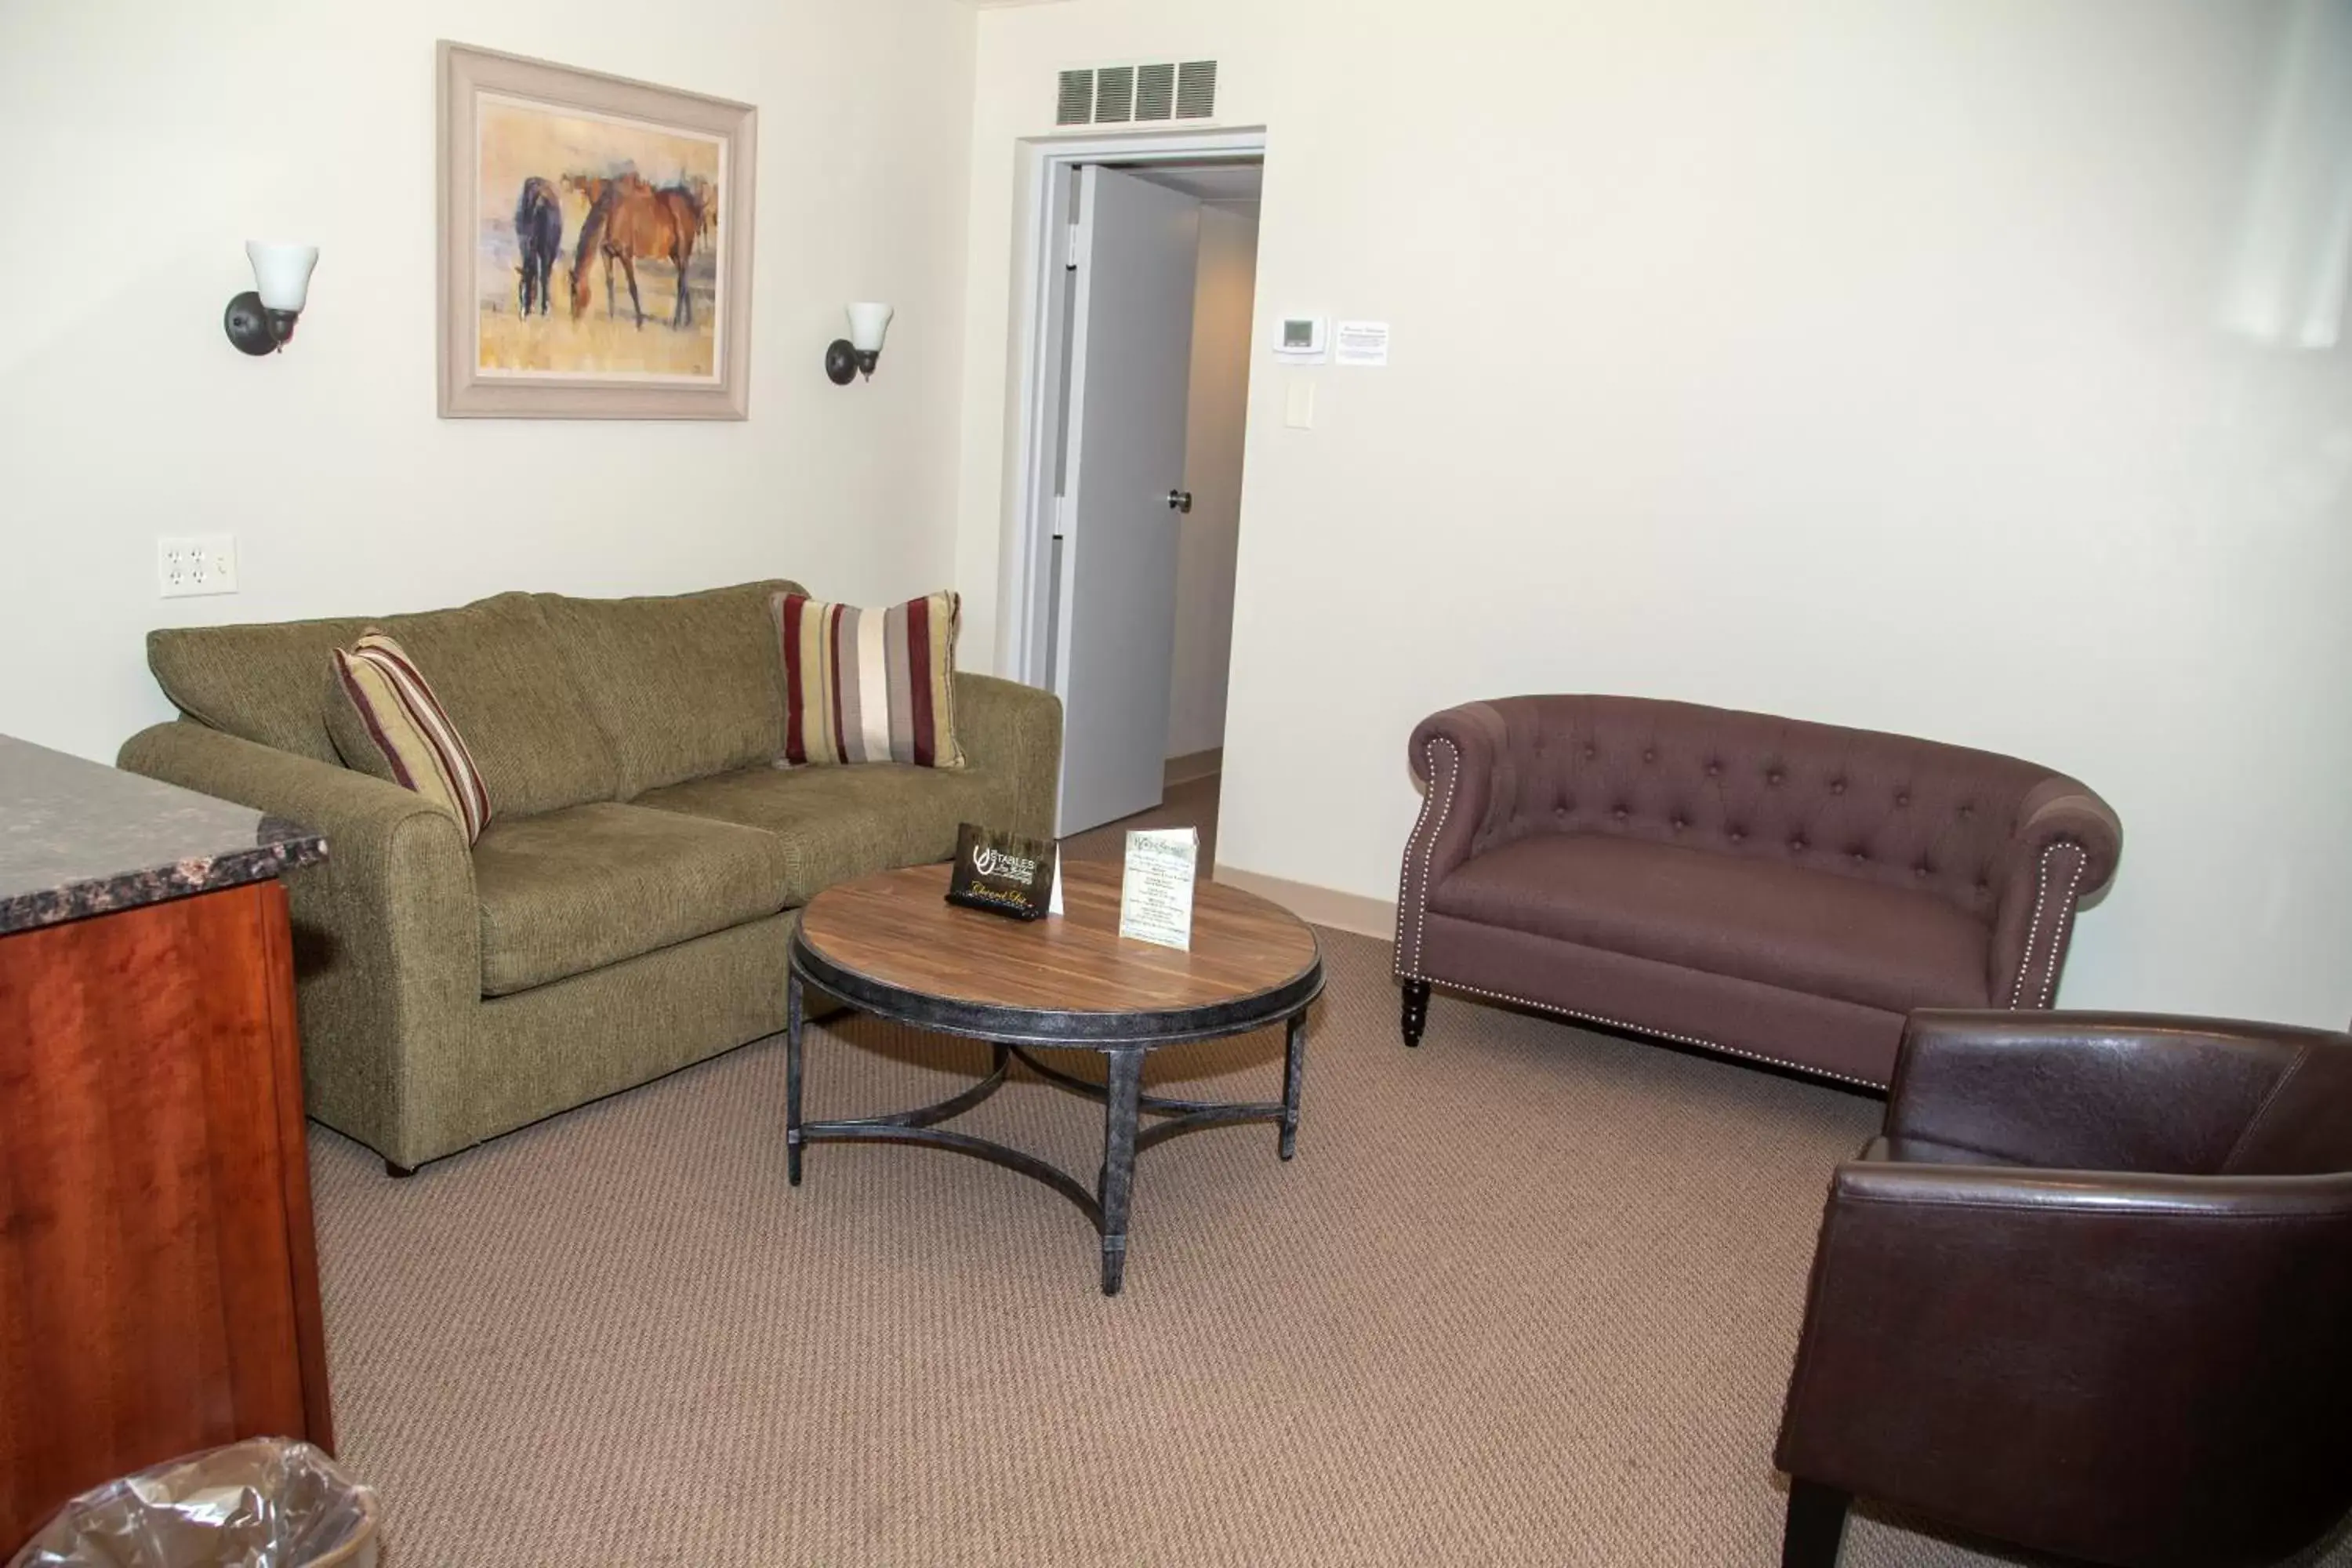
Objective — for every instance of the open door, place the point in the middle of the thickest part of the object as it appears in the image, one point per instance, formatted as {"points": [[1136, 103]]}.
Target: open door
{"points": [[1130, 372]]}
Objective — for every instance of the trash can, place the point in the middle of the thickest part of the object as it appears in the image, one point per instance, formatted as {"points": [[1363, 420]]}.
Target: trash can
{"points": [[268, 1502]]}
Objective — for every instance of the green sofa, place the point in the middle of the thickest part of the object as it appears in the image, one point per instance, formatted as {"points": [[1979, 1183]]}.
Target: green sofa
{"points": [[627, 911]]}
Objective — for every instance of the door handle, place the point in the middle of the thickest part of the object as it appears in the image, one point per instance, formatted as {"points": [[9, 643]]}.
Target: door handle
{"points": [[1180, 501]]}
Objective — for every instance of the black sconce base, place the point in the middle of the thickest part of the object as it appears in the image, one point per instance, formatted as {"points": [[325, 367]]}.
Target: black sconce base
{"points": [[844, 363], [254, 328]]}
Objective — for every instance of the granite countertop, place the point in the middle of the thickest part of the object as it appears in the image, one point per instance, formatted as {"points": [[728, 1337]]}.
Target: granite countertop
{"points": [[78, 839]]}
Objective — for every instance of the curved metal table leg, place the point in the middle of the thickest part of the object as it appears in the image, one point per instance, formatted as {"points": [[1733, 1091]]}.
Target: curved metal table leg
{"points": [[1108, 1206]]}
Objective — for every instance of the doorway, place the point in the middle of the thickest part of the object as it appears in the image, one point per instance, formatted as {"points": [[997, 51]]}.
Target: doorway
{"points": [[1120, 550]]}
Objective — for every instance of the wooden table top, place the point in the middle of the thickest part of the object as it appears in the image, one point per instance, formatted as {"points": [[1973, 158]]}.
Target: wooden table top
{"points": [[895, 937]]}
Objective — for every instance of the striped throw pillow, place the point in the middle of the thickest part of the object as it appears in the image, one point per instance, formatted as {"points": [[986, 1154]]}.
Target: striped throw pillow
{"points": [[385, 720], [869, 685]]}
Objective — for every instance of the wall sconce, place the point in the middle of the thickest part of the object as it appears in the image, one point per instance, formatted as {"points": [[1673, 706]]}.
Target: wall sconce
{"points": [[261, 320], [862, 348]]}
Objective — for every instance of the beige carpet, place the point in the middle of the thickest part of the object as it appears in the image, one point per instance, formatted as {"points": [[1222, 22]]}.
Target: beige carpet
{"points": [[1527, 1295]]}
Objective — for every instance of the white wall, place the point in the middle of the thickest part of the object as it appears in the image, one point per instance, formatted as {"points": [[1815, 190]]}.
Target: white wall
{"points": [[1217, 421], [1857, 361], [162, 136]]}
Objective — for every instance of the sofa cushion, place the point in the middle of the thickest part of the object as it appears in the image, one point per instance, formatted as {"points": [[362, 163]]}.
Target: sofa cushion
{"points": [[843, 822], [1753, 920], [260, 682], [387, 723], [495, 667], [571, 890], [681, 686], [869, 685]]}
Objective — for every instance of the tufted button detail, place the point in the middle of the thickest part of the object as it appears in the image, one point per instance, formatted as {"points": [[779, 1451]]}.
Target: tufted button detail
{"points": [[1797, 843], [1903, 798], [1679, 824], [1921, 870], [1983, 886], [1714, 770], [1650, 756], [1559, 811], [1619, 813], [1772, 777], [1590, 752], [1861, 856], [1837, 786], [1968, 809], [1735, 836]]}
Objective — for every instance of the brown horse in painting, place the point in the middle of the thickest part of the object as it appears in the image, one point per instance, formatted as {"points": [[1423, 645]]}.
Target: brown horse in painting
{"points": [[629, 221]]}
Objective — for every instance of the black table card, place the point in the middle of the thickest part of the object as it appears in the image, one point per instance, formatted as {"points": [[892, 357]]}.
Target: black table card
{"points": [[1003, 872]]}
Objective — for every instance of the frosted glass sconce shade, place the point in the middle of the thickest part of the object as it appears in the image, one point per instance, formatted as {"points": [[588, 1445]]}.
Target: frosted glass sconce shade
{"points": [[281, 273], [868, 325], [261, 320], [862, 348]]}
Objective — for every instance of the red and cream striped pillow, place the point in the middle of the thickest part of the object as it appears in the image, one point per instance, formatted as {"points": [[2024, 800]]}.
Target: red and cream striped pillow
{"points": [[869, 685], [385, 720]]}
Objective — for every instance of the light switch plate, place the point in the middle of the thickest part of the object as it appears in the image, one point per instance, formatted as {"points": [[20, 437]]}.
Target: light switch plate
{"points": [[1299, 408], [195, 565]]}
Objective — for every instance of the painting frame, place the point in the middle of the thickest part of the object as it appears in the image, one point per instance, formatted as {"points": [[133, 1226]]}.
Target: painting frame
{"points": [[466, 77]]}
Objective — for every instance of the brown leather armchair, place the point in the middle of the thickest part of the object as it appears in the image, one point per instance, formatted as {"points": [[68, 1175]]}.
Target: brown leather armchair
{"points": [[2090, 1293]]}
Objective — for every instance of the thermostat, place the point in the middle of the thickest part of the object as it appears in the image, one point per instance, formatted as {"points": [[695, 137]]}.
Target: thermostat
{"points": [[1302, 339]]}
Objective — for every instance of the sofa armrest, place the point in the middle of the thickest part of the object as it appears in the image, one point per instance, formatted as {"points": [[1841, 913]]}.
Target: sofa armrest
{"points": [[2065, 850], [1015, 731], [2091, 1091], [2037, 1323], [387, 942], [1455, 754]]}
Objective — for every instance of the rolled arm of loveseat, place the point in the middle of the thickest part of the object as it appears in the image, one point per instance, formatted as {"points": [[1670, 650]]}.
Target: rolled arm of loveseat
{"points": [[387, 943], [2065, 850], [1014, 732], [1454, 754]]}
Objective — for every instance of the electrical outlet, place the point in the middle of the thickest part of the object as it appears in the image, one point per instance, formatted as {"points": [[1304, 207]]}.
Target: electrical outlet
{"points": [[195, 565]]}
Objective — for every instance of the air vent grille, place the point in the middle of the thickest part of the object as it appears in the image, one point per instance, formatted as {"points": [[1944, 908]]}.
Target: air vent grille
{"points": [[1155, 93], [1115, 95], [1196, 89], [1075, 104], [1151, 94]]}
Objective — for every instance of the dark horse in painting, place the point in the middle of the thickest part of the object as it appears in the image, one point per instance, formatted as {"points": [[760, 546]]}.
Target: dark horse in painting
{"points": [[629, 221], [538, 230]]}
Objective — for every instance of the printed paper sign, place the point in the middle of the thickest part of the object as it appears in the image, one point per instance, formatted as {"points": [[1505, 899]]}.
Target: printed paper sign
{"points": [[1361, 342], [1155, 900]]}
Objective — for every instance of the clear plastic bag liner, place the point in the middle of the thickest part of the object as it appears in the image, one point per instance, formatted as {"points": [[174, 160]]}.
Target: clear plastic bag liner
{"points": [[268, 1502]]}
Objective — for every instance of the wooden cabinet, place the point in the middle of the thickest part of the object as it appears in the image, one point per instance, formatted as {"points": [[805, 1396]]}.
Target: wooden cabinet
{"points": [[158, 1281]]}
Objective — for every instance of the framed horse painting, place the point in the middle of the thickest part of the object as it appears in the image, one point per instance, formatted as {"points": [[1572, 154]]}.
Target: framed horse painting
{"points": [[595, 245]]}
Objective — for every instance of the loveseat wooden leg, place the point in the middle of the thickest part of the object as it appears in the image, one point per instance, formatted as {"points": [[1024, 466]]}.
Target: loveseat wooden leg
{"points": [[1816, 1526], [1416, 1010], [396, 1170]]}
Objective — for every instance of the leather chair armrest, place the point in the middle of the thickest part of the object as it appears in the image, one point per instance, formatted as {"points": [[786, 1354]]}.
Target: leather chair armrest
{"points": [[2065, 850], [1455, 754], [1972, 1333], [2095, 1091]]}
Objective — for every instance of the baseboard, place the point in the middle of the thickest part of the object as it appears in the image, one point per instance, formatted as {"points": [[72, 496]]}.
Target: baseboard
{"points": [[1318, 906], [1193, 765]]}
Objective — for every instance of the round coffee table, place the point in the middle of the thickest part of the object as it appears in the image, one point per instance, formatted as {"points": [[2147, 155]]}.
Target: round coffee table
{"points": [[892, 945]]}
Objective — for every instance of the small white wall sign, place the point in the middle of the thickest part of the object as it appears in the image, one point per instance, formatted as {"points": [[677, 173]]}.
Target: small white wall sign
{"points": [[1360, 343]]}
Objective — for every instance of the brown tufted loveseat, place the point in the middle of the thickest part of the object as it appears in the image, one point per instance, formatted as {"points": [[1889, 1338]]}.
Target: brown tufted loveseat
{"points": [[1776, 889]]}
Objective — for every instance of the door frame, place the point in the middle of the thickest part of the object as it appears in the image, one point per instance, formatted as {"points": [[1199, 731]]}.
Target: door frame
{"points": [[1040, 328]]}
